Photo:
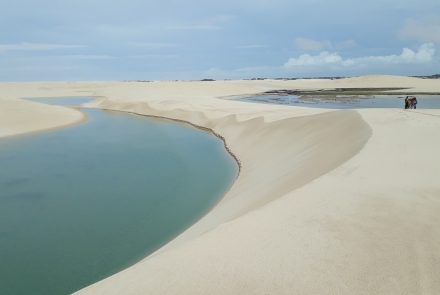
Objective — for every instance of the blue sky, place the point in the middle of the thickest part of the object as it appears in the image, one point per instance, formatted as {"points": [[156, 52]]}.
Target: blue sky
{"points": [[170, 39]]}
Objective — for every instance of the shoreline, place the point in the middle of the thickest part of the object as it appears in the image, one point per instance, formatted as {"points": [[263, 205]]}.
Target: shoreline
{"points": [[199, 127], [209, 131], [82, 120], [187, 235], [75, 117], [325, 200], [202, 129], [177, 137]]}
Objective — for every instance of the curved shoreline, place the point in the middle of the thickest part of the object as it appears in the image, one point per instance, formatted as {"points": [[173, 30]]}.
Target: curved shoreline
{"points": [[199, 227], [69, 117], [365, 223], [199, 127], [82, 120], [123, 137]]}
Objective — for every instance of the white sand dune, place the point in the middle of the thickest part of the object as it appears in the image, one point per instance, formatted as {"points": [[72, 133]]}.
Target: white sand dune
{"points": [[22, 116], [327, 202]]}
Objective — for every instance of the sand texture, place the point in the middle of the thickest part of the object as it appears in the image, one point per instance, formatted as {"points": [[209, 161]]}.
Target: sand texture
{"points": [[18, 116], [327, 202]]}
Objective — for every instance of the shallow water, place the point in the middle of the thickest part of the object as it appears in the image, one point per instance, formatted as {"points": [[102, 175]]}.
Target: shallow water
{"points": [[80, 203], [377, 101]]}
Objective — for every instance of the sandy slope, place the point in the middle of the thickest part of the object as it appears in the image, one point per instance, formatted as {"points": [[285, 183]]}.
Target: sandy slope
{"points": [[22, 116], [340, 202]]}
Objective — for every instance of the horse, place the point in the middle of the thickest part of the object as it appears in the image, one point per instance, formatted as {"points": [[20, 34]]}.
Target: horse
{"points": [[410, 102]]}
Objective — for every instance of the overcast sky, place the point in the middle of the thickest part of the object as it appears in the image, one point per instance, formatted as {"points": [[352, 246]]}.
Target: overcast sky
{"points": [[170, 39]]}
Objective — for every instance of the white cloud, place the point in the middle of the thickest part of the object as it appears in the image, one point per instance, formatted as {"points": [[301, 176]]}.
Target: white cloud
{"points": [[423, 55], [24, 46], [324, 58], [427, 30]]}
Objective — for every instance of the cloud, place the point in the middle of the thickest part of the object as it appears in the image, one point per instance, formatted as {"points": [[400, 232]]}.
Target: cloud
{"points": [[425, 31], [24, 46], [324, 58], [307, 44], [425, 54], [312, 45], [347, 44]]}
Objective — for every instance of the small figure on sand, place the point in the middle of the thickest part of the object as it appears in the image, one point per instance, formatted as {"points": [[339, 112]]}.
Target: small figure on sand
{"points": [[410, 102]]}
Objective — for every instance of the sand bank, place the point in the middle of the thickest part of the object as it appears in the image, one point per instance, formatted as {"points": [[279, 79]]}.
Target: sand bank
{"points": [[327, 202], [23, 116]]}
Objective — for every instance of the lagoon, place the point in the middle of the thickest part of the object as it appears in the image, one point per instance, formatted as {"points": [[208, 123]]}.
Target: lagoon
{"points": [[80, 203], [344, 102]]}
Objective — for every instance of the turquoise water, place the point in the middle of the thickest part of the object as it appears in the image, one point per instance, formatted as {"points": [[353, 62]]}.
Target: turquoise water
{"points": [[83, 202], [377, 101]]}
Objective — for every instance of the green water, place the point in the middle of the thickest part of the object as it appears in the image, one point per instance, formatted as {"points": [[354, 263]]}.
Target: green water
{"points": [[81, 203]]}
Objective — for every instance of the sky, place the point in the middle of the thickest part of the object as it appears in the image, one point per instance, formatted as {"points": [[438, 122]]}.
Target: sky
{"points": [[169, 39]]}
